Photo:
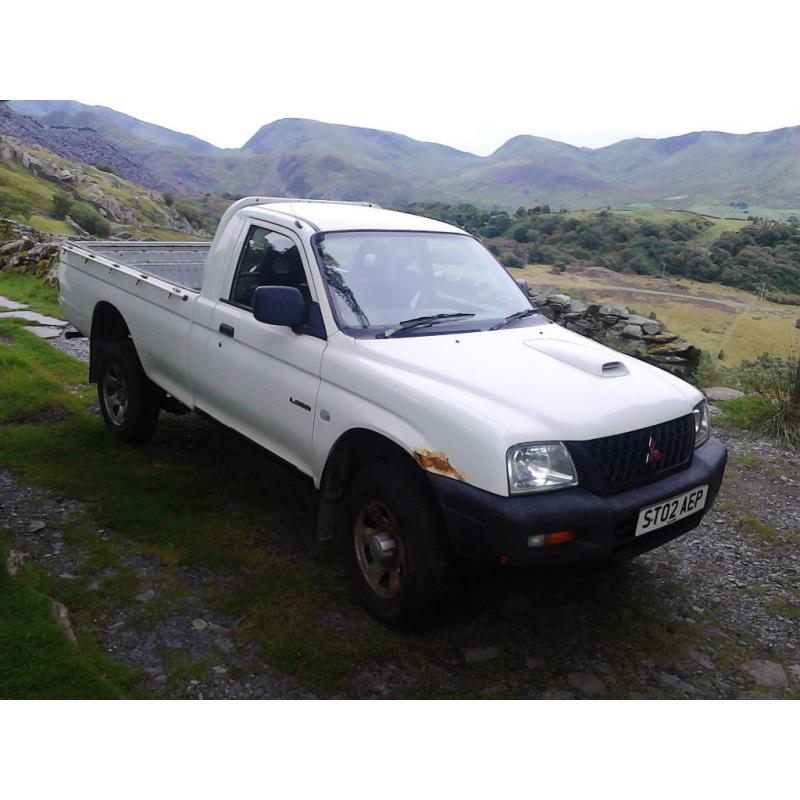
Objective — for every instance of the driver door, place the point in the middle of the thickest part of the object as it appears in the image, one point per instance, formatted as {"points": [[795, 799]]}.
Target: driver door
{"points": [[262, 380]]}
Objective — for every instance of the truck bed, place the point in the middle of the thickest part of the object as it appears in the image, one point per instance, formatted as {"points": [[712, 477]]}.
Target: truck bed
{"points": [[178, 263]]}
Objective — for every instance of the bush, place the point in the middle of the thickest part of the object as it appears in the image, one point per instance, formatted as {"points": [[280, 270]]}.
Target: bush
{"points": [[169, 198], [779, 385], [773, 403], [520, 234], [105, 168], [62, 205], [510, 260], [90, 221]]}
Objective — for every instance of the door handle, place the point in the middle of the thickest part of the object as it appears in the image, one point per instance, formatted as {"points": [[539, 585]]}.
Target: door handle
{"points": [[226, 330]]}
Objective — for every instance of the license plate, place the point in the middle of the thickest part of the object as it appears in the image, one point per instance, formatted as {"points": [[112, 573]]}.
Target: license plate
{"points": [[668, 511]]}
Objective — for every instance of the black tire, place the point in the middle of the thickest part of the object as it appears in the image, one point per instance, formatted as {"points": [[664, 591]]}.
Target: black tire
{"points": [[419, 586], [129, 400]]}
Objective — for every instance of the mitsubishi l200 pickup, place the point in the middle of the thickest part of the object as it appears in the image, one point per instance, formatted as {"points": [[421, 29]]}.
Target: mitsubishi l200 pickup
{"points": [[391, 359]]}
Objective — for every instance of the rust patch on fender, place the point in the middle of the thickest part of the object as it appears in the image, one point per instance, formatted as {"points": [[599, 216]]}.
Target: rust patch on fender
{"points": [[435, 461]]}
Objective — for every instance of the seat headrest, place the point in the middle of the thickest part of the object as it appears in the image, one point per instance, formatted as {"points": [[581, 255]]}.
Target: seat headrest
{"points": [[288, 267]]}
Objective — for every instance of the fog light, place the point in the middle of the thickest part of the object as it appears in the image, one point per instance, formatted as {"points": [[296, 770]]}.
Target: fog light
{"points": [[546, 539]]}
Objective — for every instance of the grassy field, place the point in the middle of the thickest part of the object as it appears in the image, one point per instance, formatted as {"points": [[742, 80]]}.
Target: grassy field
{"points": [[30, 290], [711, 316]]}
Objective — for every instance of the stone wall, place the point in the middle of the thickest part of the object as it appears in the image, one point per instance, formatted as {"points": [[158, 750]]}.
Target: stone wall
{"points": [[617, 327]]}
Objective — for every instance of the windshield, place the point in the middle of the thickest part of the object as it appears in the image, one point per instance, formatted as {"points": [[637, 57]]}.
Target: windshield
{"points": [[378, 279]]}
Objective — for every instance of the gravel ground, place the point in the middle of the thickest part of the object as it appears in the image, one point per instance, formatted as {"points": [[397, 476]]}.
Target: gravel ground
{"points": [[181, 631], [77, 348], [714, 614]]}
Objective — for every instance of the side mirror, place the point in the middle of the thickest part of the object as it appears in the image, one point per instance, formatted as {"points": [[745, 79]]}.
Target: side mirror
{"points": [[523, 284], [279, 305]]}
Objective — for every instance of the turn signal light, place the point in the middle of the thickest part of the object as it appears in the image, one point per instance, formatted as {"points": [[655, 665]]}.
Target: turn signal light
{"points": [[546, 539]]}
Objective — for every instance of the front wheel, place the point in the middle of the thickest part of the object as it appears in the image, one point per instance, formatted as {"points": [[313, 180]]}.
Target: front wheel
{"points": [[129, 400], [400, 561]]}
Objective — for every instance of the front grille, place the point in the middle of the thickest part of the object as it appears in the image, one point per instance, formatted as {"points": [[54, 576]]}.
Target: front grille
{"points": [[630, 459]]}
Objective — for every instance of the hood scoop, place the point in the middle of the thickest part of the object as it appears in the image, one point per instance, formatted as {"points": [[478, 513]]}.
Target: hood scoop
{"points": [[585, 358]]}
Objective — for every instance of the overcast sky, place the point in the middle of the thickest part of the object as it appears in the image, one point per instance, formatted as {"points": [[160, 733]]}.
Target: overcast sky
{"points": [[470, 75]]}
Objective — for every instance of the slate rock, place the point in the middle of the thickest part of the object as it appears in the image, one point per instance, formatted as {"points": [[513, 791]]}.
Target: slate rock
{"points": [[723, 393], [768, 674]]}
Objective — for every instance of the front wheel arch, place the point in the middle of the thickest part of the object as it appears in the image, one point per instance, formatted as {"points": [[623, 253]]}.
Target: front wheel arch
{"points": [[352, 451]]}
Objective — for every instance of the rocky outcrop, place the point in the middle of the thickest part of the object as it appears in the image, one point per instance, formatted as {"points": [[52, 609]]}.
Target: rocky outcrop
{"points": [[28, 250], [82, 185], [617, 327]]}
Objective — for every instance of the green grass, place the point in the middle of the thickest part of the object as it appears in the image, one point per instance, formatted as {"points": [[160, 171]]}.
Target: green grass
{"points": [[49, 225], [20, 183], [751, 413], [753, 526], [780, 606], [30, 290], [37, 660], [36, 383]]}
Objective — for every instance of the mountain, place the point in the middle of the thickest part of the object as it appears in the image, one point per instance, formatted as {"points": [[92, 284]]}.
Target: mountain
{"points": [[120, 128], [702, 171]]}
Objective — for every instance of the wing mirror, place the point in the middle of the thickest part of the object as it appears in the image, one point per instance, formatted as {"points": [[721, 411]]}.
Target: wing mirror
{"points": [[279, 305], [523, 284]]}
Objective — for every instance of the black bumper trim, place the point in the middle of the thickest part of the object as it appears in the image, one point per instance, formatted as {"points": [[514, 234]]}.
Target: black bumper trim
{"points": [[486, 527]]}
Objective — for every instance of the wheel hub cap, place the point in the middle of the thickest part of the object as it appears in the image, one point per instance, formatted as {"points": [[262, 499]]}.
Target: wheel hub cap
{"points": [[115, 395], [380, 549]]}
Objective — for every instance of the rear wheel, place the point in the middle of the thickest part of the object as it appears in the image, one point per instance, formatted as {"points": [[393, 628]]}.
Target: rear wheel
{"points": [[129, 400], [399, 558]]}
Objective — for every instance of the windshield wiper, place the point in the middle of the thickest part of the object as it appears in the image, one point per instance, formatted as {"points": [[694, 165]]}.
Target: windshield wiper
{"points": [[513, 318], [418, 322]]}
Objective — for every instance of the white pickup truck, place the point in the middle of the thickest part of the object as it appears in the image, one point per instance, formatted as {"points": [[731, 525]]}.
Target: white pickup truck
{"points": [[391, 358]]}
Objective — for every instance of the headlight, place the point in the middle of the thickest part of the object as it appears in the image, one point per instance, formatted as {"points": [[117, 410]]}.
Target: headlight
{"points": [[540, 467], [702, 430]]}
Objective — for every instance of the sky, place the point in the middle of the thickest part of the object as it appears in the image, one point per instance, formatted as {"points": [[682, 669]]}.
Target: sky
{"points": [[469, 75]]}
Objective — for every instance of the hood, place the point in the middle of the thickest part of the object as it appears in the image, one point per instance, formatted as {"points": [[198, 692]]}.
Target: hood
{"points": [[530, 383]]}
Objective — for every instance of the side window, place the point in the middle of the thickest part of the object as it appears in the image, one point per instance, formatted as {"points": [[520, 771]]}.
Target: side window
{"points": [[268, 259]]}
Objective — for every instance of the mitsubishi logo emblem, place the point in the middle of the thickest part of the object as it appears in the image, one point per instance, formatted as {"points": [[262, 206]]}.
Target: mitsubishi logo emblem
{"points": [[653, 453]]}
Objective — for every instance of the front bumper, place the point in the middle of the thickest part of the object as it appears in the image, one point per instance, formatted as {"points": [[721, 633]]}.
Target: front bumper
{"points": [[486, 527]]}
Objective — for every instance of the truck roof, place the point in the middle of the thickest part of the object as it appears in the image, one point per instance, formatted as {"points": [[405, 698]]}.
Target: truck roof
{"points": [[330, 217]]}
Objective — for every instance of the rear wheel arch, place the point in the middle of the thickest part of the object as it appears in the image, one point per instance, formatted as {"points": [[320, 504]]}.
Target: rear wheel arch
{"points": [[108, 325]]}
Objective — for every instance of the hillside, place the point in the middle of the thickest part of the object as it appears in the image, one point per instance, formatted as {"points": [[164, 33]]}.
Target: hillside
{"points": [[78, 144], [706, 171], [59, 196]]}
